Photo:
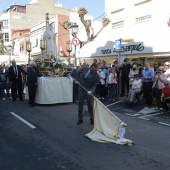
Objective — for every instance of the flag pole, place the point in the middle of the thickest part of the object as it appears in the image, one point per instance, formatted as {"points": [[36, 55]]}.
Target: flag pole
{"points": [[97, 99], [101, 103]]}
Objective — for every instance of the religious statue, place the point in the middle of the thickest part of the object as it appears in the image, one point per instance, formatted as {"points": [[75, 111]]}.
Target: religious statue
{"points": [[50, 37]]}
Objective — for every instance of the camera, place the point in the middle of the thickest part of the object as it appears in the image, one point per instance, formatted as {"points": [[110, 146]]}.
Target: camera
{"points": [[158, 72]]}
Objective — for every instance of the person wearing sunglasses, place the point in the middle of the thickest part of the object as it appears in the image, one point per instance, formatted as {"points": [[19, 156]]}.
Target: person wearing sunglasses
{"points": [[165, 97], [167, 70]]}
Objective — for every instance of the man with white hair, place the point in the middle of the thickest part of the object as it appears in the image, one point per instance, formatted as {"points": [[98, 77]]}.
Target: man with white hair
{"points": [[147, 82], [32, 74]]}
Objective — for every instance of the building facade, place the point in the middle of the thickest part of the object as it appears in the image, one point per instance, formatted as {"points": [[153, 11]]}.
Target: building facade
{"points": [[18, 17], [142, 26]]}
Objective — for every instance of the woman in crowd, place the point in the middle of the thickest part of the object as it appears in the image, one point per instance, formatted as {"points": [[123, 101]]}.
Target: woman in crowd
{"points": [[167, 70], [132, 72], [158, 84], [136, 88], [112, 83], [101, 85]]}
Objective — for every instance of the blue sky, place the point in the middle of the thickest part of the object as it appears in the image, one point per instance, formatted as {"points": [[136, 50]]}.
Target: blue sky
{"points": [[94, 7]]}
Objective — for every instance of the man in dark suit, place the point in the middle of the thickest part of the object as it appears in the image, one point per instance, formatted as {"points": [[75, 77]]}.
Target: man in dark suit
{"points": [[15, 79], [88, 78], [125, 69], [32, 74]]}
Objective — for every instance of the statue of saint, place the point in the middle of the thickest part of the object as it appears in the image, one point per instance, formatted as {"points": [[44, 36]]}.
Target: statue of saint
{"points": [[50, 37]]}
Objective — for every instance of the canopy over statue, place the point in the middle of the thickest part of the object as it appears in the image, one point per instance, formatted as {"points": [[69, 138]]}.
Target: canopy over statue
{"points": [[50, 37]]}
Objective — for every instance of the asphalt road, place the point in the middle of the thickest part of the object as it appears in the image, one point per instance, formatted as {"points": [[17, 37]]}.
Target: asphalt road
{"points": [[57, 142]]}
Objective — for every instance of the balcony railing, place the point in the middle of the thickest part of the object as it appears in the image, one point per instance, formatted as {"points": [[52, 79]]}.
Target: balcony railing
{"points": [[117, 24], [143, 19]]}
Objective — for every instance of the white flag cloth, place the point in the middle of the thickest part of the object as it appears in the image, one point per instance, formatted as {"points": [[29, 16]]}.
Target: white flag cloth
{"points": [[107, 126]]}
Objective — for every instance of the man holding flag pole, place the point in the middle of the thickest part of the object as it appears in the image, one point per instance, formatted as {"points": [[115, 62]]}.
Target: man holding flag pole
{"points": [[107, 126], [88, 79]]}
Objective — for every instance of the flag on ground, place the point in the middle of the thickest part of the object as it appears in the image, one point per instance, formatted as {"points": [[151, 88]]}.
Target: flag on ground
{"points": [[106, 126]]}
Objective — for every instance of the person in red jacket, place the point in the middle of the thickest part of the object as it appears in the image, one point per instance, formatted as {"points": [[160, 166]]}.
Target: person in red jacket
{"points": [[165, 98]]}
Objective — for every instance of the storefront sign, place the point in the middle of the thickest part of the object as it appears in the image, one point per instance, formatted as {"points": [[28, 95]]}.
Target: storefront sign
{"points": [[107, 51], [132, 48], [126, 49]]}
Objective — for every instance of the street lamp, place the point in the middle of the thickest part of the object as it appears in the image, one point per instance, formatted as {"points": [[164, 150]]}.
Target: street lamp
{"points": [[9, 49], [74, 29], [69, 49], [28, 48], [74, 32], [42, 47]]}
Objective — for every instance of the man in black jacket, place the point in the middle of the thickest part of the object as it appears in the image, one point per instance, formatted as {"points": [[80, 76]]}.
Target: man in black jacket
{"points": [[88, 78], [32, 74], [15, 79], [125, 69]]}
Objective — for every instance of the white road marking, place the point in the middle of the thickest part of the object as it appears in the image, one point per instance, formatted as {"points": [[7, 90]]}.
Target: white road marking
{"points": [[152, 115], [147, 110], [164, 123], [113, 104], [23, 120], [132, 114], [144, 118]]}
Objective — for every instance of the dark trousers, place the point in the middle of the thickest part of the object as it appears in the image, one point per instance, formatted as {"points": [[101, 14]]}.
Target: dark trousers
{"points": [[112, 90], [158, 97], [75, 92], [164, 104], [147, 91], [125, 81], [102, 90], [82, 96], [32, 92], [14, 87], [4, 86]]}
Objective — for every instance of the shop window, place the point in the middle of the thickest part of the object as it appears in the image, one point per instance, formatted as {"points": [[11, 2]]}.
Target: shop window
{"points": [[6, 37], [36, 43], [21, 9], [117, 24], [22, 47], [0, 27], [5, 24]]}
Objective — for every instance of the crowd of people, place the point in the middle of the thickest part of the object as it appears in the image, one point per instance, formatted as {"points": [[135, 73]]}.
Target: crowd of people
{"points": [[14, 79], [151, 84], [97, 80]]}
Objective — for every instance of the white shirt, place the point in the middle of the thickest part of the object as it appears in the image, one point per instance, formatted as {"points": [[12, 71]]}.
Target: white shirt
{"points": [[102, 77], [137, 84], [131, 75], [167, 72]]}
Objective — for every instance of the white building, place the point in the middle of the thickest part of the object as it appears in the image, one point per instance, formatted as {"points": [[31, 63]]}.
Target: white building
{"points": [[135, 22], [18, 17], [62, 35]]}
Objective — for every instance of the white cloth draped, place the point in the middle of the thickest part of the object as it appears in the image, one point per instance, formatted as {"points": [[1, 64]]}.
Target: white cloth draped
{"points": [[106, 125], [53, 90]]}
